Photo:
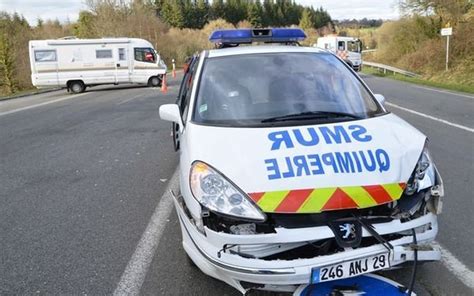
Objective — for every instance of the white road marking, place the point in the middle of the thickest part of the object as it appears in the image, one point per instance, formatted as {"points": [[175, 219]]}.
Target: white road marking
{"points": [[134, 275], [42, 104], [137, 268], [444, 91], [461, 271], [431, 117]]}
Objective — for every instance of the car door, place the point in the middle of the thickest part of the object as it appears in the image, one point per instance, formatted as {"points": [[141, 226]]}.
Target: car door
{"points": [[144, 64]]}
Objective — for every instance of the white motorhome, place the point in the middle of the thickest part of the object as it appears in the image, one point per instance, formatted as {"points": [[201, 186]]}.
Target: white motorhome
{"points": [[347, 48], [78, 63]]}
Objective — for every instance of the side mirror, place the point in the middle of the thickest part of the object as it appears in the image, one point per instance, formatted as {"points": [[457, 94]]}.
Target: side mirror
{"points": [[380, 98], [170, 112]]}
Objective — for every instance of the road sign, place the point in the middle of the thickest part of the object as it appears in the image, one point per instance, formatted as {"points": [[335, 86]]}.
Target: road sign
{"points": [[446, 31]]}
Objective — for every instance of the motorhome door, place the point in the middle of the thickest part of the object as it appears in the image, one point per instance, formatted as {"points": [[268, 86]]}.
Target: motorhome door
{"points": [[122, 65]]}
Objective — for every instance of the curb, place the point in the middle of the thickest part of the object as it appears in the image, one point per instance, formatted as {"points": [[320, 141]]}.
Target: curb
{"points": [[36, 92]]}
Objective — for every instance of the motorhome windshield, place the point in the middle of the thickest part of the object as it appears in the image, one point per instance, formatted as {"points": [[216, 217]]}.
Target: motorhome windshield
{"points": [[354, 46]]}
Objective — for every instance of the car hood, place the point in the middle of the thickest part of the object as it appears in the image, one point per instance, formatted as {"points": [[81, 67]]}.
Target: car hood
{"points": [[313, 168]]}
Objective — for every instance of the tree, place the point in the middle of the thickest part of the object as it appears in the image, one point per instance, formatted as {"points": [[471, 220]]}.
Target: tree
{"points": [[446, 10], [84, 28], [268, 19], [202, 13], [158, 6], [254, 14], [217, 9], [172, 13], [7, 64], [235, 11], [39, 22], [306, 21]]}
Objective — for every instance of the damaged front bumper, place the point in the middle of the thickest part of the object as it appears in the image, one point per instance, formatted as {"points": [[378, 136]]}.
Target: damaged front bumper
{"points": [[252, 261]]}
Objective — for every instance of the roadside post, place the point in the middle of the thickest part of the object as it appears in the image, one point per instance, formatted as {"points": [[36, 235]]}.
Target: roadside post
{"points": [[448, 31], [174, 68]]}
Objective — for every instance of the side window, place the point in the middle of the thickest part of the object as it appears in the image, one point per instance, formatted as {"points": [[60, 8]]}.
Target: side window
{"points": [[145, 55], [341, 45], [45, 55], [122, 56], [186, 88], [182, 87], [103, 54]]}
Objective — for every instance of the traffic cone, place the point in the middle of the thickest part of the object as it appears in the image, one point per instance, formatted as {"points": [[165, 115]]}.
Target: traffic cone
{"points": [[174, 73], [164, 86]]}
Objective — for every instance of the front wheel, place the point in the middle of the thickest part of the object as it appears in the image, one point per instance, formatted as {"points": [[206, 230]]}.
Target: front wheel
{"points": [[154, 81]]}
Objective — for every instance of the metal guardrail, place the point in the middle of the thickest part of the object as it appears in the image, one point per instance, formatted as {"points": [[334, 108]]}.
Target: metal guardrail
{"points": [[386, 68]]}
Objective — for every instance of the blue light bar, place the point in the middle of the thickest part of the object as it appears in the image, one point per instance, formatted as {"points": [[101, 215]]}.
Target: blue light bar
{"points": [[240, 36]]}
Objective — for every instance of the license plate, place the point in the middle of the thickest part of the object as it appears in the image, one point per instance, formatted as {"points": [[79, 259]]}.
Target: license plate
{"points": [[350, 268]]}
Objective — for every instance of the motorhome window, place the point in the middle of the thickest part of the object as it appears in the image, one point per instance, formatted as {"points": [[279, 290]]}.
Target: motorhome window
{"points": [[145, 55], [353, 46], [45, 55], [122, 54], [103, 54], [341, 45]]}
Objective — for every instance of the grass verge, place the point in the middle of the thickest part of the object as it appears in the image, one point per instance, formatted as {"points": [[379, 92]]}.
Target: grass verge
{"points": [[421, 81]]}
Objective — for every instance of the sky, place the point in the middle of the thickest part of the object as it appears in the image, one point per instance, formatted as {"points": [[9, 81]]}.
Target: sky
{"points": [[64, 10]]}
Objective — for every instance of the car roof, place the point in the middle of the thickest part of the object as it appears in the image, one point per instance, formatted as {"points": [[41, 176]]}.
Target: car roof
{"points": [[262, 49]]}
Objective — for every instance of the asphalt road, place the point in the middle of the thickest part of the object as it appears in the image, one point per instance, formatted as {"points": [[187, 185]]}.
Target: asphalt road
{"points": [[81, 176]]}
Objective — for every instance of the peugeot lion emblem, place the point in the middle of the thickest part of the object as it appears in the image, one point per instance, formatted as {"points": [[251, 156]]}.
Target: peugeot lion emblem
{"points": [[348, 229]]}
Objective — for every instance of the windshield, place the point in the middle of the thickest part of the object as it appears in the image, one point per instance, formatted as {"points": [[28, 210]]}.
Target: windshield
{"points": [[261, 89], [353, 46]]}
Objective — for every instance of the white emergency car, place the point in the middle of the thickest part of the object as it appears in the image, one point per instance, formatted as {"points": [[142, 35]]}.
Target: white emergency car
{"points": [[291, 171]]}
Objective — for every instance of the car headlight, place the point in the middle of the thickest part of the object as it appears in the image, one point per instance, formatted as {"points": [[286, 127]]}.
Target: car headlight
{"points": [[424, 175], [215, 192]]}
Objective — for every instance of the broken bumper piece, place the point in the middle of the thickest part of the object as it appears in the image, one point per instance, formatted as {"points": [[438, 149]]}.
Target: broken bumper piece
{"points": [[252, 262]]}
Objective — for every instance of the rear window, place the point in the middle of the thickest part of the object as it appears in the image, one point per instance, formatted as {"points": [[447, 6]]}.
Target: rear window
{"points": [[45, 55], [248, 90]]}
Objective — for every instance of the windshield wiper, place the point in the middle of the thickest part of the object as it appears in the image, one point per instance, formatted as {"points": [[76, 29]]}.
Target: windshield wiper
{"points": [[310, 115]]}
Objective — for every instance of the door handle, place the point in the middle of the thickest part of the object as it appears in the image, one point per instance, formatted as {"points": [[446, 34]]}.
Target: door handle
{"points": [[118, 65]]}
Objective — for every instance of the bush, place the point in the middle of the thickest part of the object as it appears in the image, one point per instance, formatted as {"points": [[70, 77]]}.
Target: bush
{"points": [[216, 24], [181, 43]]}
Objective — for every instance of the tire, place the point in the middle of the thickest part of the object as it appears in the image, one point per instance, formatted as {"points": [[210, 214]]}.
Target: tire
{"points": [[154, 81], [77, 87]]}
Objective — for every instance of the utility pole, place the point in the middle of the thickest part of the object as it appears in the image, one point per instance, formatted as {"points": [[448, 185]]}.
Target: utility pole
{"points": [[447, 52]]}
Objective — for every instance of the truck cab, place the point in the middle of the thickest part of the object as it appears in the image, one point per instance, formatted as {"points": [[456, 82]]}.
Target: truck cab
{"points": [[347, 48]]}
